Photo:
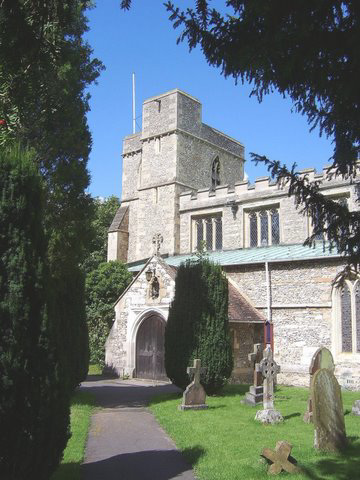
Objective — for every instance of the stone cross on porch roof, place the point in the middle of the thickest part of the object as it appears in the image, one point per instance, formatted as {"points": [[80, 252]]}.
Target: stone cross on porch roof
{"points": [[157, 240], [196, 370]]}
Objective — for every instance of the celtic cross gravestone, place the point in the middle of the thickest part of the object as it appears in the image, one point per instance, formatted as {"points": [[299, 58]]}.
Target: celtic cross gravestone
{"points": [[269, 369]]}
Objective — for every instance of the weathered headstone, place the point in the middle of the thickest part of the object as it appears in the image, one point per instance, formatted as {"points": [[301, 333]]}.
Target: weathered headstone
{"points": [[322, 358], [328, 413], [280, 458], [268, 368], [194, 396], [255, 394], [356, 408]]}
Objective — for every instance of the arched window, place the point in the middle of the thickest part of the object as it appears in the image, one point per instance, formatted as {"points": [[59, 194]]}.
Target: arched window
{"points": [[346, 330], [215, 173], [347, 317]]}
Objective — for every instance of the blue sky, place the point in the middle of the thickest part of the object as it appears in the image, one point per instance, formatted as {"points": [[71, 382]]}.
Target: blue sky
{"points": [[143, 41]]}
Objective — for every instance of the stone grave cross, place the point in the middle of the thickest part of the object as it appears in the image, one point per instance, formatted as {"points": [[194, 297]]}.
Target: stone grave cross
{"points": [[255, 358], [255, 394], [269, 369], [194, 397], [196, 371]]}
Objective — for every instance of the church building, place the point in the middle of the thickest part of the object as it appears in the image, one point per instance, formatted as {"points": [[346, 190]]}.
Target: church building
{"points": [[183, 187]]}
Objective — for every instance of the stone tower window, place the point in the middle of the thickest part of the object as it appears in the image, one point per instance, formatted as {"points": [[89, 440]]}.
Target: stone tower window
{"points": [[215, 173]]}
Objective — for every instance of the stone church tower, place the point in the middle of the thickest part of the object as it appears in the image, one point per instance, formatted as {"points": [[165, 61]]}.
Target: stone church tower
{"points": [[174, 152]]}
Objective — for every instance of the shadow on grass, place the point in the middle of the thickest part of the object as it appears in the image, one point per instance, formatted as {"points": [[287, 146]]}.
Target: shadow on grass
{"points": [[67, 471], [233, 390], [344, 466], [145, 465], [296, 414]]}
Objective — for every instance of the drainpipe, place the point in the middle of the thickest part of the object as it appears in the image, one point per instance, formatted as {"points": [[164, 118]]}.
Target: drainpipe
{"points": [[269, 338]]}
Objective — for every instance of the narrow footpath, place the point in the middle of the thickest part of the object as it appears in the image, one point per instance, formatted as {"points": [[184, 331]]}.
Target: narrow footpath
{"points": [[125, 442]]}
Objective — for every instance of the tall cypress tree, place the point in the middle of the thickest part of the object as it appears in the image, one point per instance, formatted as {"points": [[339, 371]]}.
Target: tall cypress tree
{"points": [[198, 327], [34, 406]]}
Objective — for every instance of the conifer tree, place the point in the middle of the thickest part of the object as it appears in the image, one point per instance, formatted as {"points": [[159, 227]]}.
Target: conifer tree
{"points": [[43, 103], [34, 406], [198, 327]]}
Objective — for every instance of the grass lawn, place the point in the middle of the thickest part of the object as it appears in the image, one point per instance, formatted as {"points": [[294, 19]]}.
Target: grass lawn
{"points": [[82, 407], [224, 442], [94, 369]]}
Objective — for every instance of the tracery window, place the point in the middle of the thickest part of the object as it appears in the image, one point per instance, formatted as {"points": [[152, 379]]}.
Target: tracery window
{"points": [[342, 200], [348, 317], [207, 231], [263, 227]]}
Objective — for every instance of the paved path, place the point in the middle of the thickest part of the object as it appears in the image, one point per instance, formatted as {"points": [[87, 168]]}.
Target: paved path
{"points": [[125, 442]]}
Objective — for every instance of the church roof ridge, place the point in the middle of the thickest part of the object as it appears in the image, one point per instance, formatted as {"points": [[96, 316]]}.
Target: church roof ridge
{"points": [[255, 255]]}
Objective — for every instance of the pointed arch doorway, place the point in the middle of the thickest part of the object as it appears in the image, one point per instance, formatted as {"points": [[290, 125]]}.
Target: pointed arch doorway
{"points": [[150, 349]]}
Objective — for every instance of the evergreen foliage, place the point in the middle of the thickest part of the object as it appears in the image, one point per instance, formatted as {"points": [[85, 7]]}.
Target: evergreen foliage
{"points": [[104, 212], [34, 405], [49, 61], [103, 286], [198, 327]]}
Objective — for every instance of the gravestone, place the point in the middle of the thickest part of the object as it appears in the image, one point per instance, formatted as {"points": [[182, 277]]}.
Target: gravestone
{"points": [[280, 458], [255, 394], [356, 408], [268, 368], [328, 414], [322, 358], [194, 396]]}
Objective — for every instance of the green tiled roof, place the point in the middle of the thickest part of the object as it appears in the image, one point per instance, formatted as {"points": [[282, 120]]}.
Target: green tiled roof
{"points": [[244, 256]]}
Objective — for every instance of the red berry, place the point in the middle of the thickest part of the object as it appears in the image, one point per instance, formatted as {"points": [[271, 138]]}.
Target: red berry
{"points": [[2, 122]]}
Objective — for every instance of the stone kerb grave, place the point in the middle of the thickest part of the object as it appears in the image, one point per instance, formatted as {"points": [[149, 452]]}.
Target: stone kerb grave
{"points": [[269, 369], [194, 397], [255, 394], [322, 358], [328, 414]]}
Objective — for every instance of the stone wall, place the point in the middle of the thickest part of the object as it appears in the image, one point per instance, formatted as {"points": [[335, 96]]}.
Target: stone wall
{"points": [[194, 162], [302, 313], [244, 336]]}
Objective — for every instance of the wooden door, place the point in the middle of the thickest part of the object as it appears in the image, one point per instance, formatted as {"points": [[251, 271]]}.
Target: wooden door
{"points": [[150, 349]]}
